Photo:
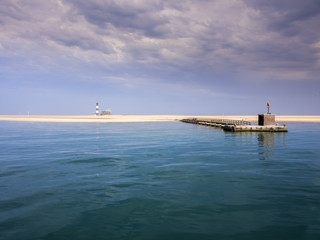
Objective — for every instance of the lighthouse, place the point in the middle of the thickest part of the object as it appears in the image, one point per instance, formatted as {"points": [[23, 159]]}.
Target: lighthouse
{"points": [[97, 109]]}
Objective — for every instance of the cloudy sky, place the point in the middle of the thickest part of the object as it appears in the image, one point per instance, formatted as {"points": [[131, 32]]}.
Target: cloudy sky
{"points": [[204, 57]]}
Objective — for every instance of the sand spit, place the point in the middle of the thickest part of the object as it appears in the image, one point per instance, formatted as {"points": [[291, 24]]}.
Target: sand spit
{"points": [[93, 118], [146, 118]]}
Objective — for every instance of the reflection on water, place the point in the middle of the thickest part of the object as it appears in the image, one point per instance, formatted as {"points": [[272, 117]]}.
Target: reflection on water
{"points": [[266, 142]]}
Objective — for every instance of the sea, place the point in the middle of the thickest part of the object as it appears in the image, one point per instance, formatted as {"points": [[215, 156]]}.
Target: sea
{"points": [[157, 180]]}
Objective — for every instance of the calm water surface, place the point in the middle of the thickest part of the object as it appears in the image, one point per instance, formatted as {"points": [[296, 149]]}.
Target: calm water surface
{"points": [[157, 181]]}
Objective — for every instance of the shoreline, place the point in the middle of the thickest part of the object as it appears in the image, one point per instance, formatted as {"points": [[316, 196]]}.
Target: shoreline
{"points": [[145, 118]]}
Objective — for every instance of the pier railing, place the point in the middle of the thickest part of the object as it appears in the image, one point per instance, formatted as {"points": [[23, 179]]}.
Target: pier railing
{"points": [[215, 122]]}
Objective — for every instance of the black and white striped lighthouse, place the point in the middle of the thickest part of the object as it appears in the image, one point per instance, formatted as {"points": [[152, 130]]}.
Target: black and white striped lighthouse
{"points": [[97, 109]]}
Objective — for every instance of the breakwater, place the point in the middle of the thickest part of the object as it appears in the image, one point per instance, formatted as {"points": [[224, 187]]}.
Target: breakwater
{"points": [[236, 125]]}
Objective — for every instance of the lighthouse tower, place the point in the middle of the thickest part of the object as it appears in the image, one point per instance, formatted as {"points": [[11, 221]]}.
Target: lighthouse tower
{"points": [[97, 109]]}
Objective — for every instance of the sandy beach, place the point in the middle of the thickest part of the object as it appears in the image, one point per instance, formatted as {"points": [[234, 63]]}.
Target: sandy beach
{"points": [[144, 118]]}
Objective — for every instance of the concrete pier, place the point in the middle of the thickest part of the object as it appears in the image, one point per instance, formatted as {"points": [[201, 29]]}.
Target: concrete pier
{"points": [[238, 125], [269, 128], [215, 122]]}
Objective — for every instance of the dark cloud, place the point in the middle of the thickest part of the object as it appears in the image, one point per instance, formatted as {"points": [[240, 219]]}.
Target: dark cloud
{"points": [[292, 26], [291, 10], [81, 40], [10, 9], [143, 17], [283, 15]]}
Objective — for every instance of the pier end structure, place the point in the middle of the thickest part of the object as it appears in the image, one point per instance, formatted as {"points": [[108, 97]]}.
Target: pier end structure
{"points": [[266, 119], [268, 124]]}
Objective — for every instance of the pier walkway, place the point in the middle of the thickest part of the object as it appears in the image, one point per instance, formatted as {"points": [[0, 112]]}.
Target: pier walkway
{"points": [[235, 125]]}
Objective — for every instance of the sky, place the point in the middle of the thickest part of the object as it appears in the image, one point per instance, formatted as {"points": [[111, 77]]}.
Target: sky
{"points": [[191, 57]]}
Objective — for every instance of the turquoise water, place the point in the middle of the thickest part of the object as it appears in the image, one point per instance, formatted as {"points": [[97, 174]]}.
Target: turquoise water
{"points": [[157, 181]]}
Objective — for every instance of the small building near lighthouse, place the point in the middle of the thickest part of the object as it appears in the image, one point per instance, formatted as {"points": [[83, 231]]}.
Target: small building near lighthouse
{"points": [[106, 112]]}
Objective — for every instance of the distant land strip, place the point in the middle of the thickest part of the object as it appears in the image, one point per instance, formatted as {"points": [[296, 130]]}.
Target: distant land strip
{"points": [[145, 118]]}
